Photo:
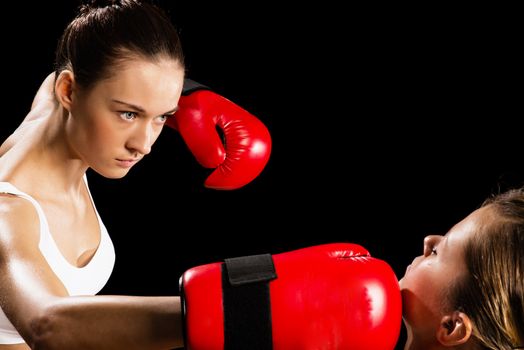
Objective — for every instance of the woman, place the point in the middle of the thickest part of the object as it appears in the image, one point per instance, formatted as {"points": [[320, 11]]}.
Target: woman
{"points": [[96, 118], [467, 290], [91, 114]]}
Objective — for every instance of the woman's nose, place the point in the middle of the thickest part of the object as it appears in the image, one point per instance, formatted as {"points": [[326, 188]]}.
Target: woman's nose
{"points": [[142, 139], [430, 242]]}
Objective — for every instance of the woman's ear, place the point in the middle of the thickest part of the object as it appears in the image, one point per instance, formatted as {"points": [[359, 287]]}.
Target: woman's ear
{"points": [[64, 88], [454, 329]]}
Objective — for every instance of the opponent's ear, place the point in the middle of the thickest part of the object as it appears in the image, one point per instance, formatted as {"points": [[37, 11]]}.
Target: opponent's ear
{"points": [[64, 88], [454, 329]]}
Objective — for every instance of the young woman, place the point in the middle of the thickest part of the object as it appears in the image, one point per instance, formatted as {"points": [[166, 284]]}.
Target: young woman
{"points": [[119, 76], [467, 289]]}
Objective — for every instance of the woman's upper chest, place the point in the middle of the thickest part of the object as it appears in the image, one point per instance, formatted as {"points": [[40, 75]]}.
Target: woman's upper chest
{"points": [[75, 228]]}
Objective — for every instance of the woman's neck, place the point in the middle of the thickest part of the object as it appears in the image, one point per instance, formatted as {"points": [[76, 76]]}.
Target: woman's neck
{"points": [[417, 342], [41, 159]]}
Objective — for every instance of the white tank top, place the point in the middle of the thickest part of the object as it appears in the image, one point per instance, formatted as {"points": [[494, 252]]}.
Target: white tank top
{"points": [[86, 280]]}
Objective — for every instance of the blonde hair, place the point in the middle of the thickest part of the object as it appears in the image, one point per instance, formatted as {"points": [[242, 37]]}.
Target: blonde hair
{"points": [[492, 294]]}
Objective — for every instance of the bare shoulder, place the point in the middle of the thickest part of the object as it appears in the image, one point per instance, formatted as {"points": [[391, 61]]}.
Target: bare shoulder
{"points": [[19, 223], [26, 279]]}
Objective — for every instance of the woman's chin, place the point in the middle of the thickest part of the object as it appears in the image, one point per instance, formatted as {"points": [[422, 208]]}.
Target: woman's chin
{"points": [[113, 174]]}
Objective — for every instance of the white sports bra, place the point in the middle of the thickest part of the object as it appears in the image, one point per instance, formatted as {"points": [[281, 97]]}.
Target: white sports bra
{"points": [[86, 280]]}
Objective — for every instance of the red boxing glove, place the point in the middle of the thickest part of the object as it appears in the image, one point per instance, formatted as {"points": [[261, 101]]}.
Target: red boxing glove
{"points": [[331, 297], [247, 140]]}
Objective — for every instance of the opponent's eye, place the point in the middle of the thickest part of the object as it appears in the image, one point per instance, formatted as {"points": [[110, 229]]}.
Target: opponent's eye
{"points": [[128, 115]]}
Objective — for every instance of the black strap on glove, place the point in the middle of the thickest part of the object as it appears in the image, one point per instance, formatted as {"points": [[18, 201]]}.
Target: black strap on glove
{"points": [[247, 302]]}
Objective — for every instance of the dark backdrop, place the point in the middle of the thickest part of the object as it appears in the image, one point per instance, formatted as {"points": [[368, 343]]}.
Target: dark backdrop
{"points": [[388, 124]]}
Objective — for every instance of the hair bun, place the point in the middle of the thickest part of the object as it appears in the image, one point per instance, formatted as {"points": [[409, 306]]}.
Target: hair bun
{"points": [[101, 3]]}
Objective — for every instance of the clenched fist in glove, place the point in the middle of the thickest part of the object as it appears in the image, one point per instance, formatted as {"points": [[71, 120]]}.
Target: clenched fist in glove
{"points": [[331, 297], [247, 143]]}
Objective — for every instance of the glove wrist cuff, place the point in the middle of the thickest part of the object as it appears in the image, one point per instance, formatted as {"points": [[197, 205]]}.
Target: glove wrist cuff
{"points": [[191, 86]]}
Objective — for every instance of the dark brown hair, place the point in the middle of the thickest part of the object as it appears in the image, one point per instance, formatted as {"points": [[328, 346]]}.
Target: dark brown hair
{"points": [[492, 294], [106, 33]]}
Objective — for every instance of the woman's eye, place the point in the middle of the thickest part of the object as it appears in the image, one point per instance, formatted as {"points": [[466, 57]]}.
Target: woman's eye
{"points": [[165, 117], [128, 115], [434, 250]]}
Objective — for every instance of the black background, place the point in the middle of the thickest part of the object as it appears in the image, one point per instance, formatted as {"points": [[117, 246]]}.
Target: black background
{"points": [[388, 124]]}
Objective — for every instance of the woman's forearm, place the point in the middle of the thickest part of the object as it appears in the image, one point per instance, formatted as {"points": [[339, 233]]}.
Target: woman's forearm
{"points": [[42, 108], [46, 91], [110, 322]]}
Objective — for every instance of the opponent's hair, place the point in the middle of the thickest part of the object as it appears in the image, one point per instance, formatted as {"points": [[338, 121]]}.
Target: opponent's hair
{"points": [[492, 294], [106, 33]]}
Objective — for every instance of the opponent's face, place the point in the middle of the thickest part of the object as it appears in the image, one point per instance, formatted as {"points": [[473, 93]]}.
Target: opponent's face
{"points": [[114, 125], [430, 276]]}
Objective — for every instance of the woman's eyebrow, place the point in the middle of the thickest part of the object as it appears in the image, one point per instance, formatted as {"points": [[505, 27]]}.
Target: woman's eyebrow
{"points": [[130, 105], [445, 245], [140, 109], [172, 111]]}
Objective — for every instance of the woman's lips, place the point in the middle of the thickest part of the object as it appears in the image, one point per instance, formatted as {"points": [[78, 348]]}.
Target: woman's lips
{"points": [[127, 163]]}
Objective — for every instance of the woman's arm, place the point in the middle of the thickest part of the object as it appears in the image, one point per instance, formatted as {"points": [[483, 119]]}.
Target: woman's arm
{"points": [[38, 305], [42, 107], [110, 322], [46, 92]]}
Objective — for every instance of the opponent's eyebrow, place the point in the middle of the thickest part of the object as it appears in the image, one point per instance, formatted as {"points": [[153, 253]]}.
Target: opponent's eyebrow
{"points": [[445, 243], [140, 109]]}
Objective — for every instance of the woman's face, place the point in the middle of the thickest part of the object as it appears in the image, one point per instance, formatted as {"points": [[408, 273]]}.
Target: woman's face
{"points": [[430, 275], [114, 125]]}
